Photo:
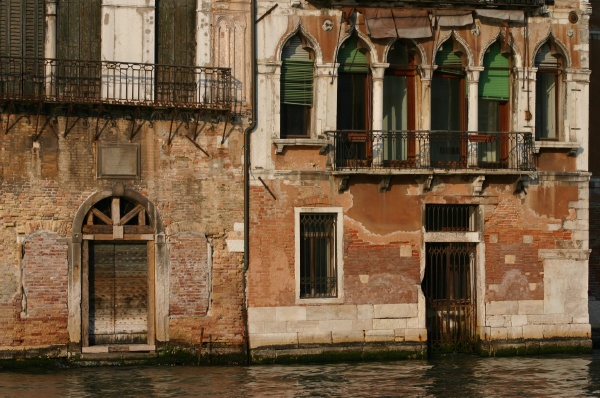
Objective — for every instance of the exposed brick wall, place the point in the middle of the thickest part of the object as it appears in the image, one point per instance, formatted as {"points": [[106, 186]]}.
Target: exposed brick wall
{"points": [[190, 275], [42, 187]]}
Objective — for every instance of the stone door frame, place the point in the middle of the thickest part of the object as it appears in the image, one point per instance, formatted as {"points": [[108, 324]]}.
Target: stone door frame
{"points": [[158, 267]]}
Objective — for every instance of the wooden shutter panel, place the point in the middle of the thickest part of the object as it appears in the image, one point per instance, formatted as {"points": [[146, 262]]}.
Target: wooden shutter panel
{"points": [[296, 74], [79, 29], [176, 32], [494, 80], [351, 58], [22, 28]]}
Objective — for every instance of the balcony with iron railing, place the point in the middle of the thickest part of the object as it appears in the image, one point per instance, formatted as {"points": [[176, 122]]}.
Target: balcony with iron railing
{"points": [[501, 4], [406, 151], [114, 83]]}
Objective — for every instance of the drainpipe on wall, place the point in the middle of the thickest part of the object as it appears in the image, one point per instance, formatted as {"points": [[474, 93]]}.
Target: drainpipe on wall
{"points": [[247, 132]]}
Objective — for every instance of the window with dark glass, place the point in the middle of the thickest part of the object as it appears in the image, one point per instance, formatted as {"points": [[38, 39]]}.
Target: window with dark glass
{"points": [[354, 102], [399, 105], [547, 87], [318, 263], [297, 74], [448, 108]]}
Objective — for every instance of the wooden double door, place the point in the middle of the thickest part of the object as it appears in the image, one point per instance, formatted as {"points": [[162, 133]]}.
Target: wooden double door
{"points": [[118, 293]]}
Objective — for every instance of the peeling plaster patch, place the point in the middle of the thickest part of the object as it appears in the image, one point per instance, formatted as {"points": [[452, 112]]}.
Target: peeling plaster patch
{"points": [[554, 227], [527, 239], [405, 251], [364, 278], [514, 286], [368, 236], [532, 286], [509, 259]]}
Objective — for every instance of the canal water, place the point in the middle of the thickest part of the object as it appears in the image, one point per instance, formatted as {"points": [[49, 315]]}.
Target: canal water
{"points": [[453, 376]]}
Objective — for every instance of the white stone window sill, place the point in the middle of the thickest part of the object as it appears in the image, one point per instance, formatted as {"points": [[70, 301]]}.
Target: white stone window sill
{"points": [[573, 147], [281, 143]]}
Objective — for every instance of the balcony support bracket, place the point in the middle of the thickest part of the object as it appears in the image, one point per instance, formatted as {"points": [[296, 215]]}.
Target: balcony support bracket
{"points": [[478, 185], [227, 116], [196, 132], [11, 110], [135, 129], [99, 133], [428, 183], [197, 145], [67, 127], [384, 185], [343, 185]]}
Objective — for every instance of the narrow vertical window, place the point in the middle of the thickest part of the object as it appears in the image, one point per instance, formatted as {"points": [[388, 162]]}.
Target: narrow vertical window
{"points": [[318, 262], [399, 106], [176, 50], [448, 108], [354, 87], [493, 107], [297, 74], [547, 88]]}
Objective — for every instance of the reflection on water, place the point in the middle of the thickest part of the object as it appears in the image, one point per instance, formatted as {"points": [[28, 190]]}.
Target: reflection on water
{"points": [[456, 376]]}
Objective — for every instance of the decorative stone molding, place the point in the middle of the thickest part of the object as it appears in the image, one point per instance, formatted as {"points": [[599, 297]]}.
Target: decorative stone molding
{"points": [[283, 142]]}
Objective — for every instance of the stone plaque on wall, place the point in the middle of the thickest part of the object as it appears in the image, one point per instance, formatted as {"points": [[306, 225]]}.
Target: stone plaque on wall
{"points": [[118, 160]]}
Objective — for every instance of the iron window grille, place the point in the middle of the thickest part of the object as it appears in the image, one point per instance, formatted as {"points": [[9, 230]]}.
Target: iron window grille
{"points": [[450, 218], [318, 261]]}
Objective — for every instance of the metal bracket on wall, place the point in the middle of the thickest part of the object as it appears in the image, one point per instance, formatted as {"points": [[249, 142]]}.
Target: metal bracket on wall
{"points": [[197, 145], [343, 185], [384, 185], [108, 120], [11, 110], [135, 129], [267, 188], [67, 127]]}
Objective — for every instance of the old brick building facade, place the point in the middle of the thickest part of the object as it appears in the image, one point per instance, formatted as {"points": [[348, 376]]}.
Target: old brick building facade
{"points": [[420, 178], [121, 183]]}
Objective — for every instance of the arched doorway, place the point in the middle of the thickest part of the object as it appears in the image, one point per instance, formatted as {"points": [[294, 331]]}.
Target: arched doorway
{"points": [[117, 251]]}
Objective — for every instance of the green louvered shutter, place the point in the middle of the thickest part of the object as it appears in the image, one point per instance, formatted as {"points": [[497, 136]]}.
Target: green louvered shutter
{"points": [[494, 80], [351, 58], [22, 28], [448, 61], [296, 74]]}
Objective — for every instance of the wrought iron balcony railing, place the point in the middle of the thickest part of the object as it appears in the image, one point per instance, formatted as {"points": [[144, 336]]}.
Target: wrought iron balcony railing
{"points": [[399, 150], [504, 4], [116, 83]]}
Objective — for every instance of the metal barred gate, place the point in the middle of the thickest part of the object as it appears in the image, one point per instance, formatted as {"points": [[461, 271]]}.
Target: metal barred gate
{"points": [[449, 288]]}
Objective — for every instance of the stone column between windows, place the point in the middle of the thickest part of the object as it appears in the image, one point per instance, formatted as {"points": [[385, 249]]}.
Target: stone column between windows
{"points": [[473, 109], [425, 109], [50, 41], [525, 106], [324, 99], [473, 97], [378, 71]]}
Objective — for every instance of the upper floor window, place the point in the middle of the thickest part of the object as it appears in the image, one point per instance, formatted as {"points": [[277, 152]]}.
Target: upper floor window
{"points": [[78, 30], [548, 88], [297, 74], [494, 91], [399, 104], [354, 86], [448, 107], [22, 28]]}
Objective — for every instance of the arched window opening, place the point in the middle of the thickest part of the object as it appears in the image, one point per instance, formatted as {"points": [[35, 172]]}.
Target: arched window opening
{"points": [[399, 104], [548, 88], [448, 107], [296, 92], [354, 86]]}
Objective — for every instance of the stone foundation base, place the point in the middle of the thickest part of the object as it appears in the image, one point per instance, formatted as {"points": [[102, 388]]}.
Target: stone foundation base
{"points": [[534, 347], [339, 353]]}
